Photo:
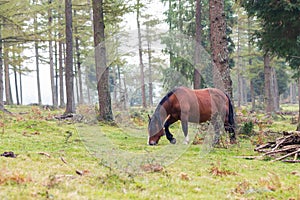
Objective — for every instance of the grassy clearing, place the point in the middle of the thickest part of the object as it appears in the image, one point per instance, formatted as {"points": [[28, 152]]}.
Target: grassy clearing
{"points": [[59, 160]]}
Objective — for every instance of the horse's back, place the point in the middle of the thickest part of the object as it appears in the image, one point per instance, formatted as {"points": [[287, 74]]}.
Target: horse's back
{"points": [[201, 104]]}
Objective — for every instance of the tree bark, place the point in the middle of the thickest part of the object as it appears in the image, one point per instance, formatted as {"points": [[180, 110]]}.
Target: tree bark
{"points": [[144, 103], [222, 79], [70, 107], [269, 101], [8, 94], [60, 64], [1, 71], [275, 90], [149, 51], [198, 36], [52, 76], [298, 126], [16, 83], [21, 86], [36, 48], [79, 75], [102, 71]]}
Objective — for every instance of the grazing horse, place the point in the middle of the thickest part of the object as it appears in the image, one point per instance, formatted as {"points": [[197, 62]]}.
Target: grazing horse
{"points": [[194, 106]]}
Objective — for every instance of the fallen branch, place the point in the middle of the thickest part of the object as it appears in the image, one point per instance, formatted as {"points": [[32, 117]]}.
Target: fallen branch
{"points": [[287, 155], [45, 154], [286, 146]]}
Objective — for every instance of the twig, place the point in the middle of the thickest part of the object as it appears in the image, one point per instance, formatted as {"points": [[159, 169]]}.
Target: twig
{"points": [[64, 161], [287, 155], [45, 154]]}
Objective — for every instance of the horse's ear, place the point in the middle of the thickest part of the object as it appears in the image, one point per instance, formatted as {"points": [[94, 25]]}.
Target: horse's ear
{"points": [[149, 117]]}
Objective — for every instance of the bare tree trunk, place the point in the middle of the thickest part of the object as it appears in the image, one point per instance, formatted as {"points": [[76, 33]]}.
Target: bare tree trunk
{"points": [[1, 71], [240, 81], [36, 48], [16, 82], [275, 90], [252, 96], [79, 76], [105, 110], [125, 94], [144, 103], [61, 73], [198, 36], [8, 94], [70, 107], [219, 46], [60, 64], [21, 86], [269, 101], [293, 92], [298, 126], [121, 93], [56, 69], [149, 51], [52, 76]]}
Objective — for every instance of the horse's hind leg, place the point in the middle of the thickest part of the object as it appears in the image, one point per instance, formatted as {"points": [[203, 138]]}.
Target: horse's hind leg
{"points": [[169, 135], [184, 125]]}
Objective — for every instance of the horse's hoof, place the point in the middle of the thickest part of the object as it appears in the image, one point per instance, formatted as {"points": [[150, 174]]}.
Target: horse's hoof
{"points": [[186, 142], [173, 141]]}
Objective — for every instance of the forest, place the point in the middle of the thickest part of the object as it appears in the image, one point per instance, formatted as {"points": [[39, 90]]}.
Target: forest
{"points": [[79, 78]]}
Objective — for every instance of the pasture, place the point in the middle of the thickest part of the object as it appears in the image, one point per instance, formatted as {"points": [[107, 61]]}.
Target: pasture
{"points": [[69, 159]]}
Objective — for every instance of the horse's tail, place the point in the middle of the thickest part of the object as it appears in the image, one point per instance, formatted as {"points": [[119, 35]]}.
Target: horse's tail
{"points": [[231, 123]]}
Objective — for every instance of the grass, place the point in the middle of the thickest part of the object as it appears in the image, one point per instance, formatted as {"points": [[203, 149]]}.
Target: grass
{"points": [[68, 160]]}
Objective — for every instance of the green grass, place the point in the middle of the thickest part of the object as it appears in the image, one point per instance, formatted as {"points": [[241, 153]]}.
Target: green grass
{"points": [[50, 152]]}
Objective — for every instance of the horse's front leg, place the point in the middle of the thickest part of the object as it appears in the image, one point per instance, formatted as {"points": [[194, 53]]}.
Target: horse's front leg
{"points": [[167, 131]]}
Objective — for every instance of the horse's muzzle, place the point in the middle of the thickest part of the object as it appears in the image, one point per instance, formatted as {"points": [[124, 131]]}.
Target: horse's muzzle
{"points": [[152, 143]]}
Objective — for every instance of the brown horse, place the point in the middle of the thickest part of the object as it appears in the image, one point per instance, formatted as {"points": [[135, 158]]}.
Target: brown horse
{"points": [[195, 106]]}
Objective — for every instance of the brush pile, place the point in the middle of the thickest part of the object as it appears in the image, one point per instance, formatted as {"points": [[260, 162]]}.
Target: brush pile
{"points": [[285, 148]]}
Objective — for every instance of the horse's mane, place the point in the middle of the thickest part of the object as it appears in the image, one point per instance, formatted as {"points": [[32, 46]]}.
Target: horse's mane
{"points": [[164, 99]]}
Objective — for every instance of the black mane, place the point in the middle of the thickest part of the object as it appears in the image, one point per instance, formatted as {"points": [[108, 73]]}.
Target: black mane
{"points": [[166, 97]]}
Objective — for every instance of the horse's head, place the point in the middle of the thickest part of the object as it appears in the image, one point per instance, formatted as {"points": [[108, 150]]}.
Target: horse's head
{"points": [[155, 130]]}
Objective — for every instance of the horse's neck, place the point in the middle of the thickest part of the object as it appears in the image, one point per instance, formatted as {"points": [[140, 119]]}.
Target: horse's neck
{"points": [[161, 113]]}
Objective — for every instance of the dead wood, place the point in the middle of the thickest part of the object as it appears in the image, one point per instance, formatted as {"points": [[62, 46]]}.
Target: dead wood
{"points": [[286, 146]]}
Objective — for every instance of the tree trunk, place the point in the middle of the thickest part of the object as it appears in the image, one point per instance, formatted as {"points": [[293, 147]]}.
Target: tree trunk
{"points": [[149, 51], [269, 101], [198, 36], [102, 71], [298, 126], [275, 90], [1, 71], [52, 76], [8, 94], [79, 76], [293, 93], [61, 73], [144, 103], [219, 46], [56, 69], [252, 96], [239, 68], [16, 85], [21, 86], [36, 48], [70, 107], [60, 64]]}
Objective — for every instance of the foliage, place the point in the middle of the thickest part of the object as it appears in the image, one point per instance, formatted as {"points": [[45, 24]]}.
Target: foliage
{"points": [[280, 28], [181, 20]]}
